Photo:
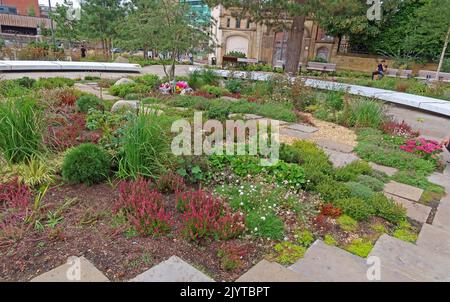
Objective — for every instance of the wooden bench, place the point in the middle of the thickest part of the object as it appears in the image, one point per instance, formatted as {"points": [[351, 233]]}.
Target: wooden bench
{"points": [[325, 67], [400, 73], [431, 75]]}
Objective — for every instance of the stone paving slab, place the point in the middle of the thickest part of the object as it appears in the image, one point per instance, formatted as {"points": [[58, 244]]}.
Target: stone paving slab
{"points": [[387, 170], [325, 263], [89, 89], [440, 179], [416, 263], [269, 121], [265, 271], [340, 159], [331, 145], [442, 217], [302, 128], [172, 270], [414, 210], [294, 134], [403, 191], [249, 116], [434, 239], [79, 269]]}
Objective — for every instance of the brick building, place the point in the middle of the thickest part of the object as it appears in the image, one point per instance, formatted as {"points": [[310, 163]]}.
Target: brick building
{"points": [[23, 7]]}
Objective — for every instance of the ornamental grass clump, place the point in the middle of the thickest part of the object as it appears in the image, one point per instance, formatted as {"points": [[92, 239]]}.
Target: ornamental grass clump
{"points": [[207, 217], [143, 207], [20, 130]]}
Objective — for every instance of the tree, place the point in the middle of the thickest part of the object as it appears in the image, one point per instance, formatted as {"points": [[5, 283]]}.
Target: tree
{"points": [[169, 29], [100, 20], [66, 28]]}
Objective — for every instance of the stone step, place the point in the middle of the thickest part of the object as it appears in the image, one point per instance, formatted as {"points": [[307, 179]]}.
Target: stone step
{"points": [[172, 270], [414, 262], [266, 271], [403, 191], [331, 145], [414, 210], [387, 170], [77, 269], [442, 217], [340, 159], [325, 263], [295, 134], [270, 121], [435, 239], [441, 179], [302, 128]]}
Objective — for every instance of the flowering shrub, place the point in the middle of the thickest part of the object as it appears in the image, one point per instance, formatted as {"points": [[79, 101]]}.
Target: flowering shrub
{"points": [[179, 86], [207, 217], [423, 147], [15, 195], [143, 207], [170, 183], [400, 129]]}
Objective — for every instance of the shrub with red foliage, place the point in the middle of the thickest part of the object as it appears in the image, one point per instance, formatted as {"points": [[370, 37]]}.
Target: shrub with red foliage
{"points": [[68, 130], [170, 183], [203, 94], [143, 207], [207, 217], [66, 98], [231, 254], [329, 210], [15, 195], [400, 129]]}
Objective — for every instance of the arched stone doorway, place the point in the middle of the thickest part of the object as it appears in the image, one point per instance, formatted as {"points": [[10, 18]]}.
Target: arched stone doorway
{"points": [[237, 43]]}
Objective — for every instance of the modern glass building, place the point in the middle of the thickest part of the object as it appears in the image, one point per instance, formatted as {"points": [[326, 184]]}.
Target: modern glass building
{"points": [[199, 11]]}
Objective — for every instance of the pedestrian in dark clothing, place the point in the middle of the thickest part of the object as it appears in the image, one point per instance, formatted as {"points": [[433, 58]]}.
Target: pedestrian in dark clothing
{"points": [[83, 51], [381, 69]]}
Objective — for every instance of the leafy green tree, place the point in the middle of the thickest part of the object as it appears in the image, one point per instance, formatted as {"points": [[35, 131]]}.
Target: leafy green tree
{"points": [[66, 28], [100, 20]]}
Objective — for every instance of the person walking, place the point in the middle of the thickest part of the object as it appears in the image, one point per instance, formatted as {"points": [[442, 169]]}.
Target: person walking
{"points": [[83, 51]]}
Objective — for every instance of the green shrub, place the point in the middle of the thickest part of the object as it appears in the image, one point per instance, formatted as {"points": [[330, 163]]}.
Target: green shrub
{"points": [[359, 190], [150, 80], [26, 82], [414, 179], [290, 175], [11, 88], [360, 247], [405, 232], [329, 239], [234, 85], [332, 190], [351, 171], [305, 238], [218, 110], [21, 130], [356, 208], [214, 90], [123, 90], [51, 83], [86, 102], [145, 147], [288, 253], [87, 163], [197, 79], [371, 182], [366, 113], [387, 208], [347, 223], [271, 226]]}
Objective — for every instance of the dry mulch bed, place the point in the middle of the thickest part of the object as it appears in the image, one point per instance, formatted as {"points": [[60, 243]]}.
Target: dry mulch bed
{"points": [[88, 229]]}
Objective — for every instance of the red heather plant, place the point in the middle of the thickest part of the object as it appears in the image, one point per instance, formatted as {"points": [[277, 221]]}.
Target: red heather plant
{"points": [[329, 210], [170, 183], [207, 217], [427, 149], [400, 129], [15, 195], [143, 207], [66, 98]]}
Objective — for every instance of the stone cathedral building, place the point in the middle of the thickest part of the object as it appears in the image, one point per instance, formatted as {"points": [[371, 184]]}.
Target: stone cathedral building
{"points": [[264, 44]]}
